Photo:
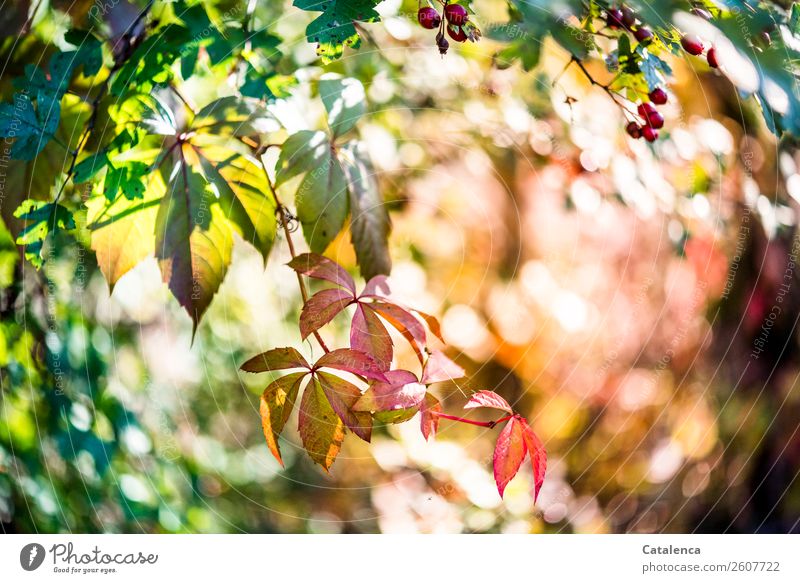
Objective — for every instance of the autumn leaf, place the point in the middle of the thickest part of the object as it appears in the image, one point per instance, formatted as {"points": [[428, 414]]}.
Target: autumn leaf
{"points": [[351, 361], [321, 430], [429, 420], [538, 456], [439, 368], [276, 359], [401, 391], [508, 454], [342, 395], [319, 267], [321, 308], [488, 399], [277, 403], [369, 335]]}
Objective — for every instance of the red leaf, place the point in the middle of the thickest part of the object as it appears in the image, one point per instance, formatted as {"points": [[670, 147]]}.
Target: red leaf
{"points": [[538, 457], [377, 287], [352, 361], [321, 308], [369, 335], [277, 403], [342, 395], [488, 399], [439, 368], [429, 420], [321, 430], [403, 391], [508, 454], [405, 323], [433, 324], [275, 359], [320, 267]]}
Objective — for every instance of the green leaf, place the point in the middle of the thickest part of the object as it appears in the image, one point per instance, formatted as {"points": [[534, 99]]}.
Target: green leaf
{"points": [[322, 202], [44, 219], [193, 240], [321, 430], [300, 153], [235, 116], [147, 111], [334, 28], [88, 168], [30, 128], [342, 395], [344, 100], [369, 222]]}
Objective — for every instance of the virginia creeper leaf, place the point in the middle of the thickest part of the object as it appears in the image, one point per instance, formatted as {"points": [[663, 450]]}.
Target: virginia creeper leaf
{"points": [[342, 395], [369, 335], [301, 153], [276, 359], [369, 219], [429, 420], [321, 308], [508, 454], [276, 405], [488, 399], [335, 28], [377, 287], [352, 361], [235, 116], [320, 267], [405, 323], [538, 455], [321, 430], [344, 100], [401, 391], [439, 368], [193, 241], [322, 202]]}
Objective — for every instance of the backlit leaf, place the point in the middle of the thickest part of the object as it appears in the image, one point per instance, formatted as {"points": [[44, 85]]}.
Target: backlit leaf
{"points": [[321, 308], [402, 391], [276, 404], [538, 455], [275, 359], [429, 420], [43, 219], [488, 399], [351, 361], [508, 454], [342, 395], [369, 335], [439, 368], [321, 430], [334, 28], [344, 100], [319, 267]]}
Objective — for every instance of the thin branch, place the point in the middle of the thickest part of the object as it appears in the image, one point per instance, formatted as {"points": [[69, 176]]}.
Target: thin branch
{"points": [[284, 220], [488, 424]]}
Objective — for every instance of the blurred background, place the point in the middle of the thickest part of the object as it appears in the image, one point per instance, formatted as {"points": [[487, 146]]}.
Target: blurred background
{"points": [[638, 303]]}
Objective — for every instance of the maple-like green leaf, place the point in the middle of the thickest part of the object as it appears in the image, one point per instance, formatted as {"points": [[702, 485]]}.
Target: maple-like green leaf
{"points": [[44, 219], [276, 404], [30, 127], [369, 218], [193, 240], [321, 429], [335, 27]]}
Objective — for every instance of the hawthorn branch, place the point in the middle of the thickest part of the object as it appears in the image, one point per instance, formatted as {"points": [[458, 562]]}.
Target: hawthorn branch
{"points": [[284, 218], [615, 97]]}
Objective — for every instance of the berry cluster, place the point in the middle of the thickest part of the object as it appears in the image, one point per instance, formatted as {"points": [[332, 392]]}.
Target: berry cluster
{"points": [[625, 18], [693, 45], [456, 22], [652, 119]]}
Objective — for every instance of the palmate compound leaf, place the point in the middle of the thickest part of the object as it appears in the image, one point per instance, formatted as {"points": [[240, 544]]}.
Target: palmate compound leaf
{"points": [[276, 404], [335, 27], [509, 452], [208, 189]]}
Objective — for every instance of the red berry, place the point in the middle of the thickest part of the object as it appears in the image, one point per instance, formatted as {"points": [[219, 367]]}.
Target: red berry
{"points": [[614, 18], [457, 33], [711, 57], [658, 96], [692, 44], [455, 14], [644, 35], [429, 18], [646, 108], [655, 120], [634, 130], [650, 134], [628, 17]]}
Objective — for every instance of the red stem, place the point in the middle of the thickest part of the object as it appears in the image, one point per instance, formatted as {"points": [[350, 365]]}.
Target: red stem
{"points": [[488, 424]]}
